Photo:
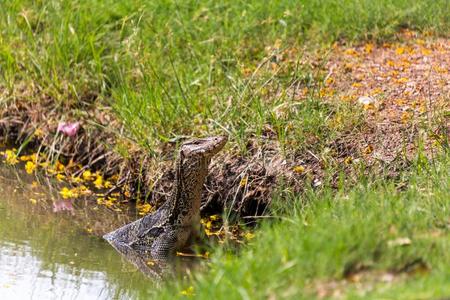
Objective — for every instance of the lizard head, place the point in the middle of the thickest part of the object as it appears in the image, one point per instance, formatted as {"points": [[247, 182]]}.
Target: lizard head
{"points": [[204, 148]]}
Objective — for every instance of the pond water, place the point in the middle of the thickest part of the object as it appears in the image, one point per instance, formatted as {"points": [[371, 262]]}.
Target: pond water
{"points": [[51, 248]]}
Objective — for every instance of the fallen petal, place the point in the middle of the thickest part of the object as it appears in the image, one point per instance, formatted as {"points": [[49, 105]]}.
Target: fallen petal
{"points": [[69, 129], [364, 100]]}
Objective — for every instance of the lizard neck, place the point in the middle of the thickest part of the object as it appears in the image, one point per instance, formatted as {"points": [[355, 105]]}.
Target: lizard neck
{"points": [[184, 206]]}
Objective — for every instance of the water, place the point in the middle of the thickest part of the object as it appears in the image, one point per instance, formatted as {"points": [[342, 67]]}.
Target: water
{"points": [[50, 249]]}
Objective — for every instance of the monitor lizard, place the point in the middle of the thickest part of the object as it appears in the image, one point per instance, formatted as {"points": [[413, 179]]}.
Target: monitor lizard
{"points": [[161, 233]]}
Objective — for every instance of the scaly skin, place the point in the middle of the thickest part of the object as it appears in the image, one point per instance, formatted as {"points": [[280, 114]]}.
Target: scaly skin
{"points": [[166, 230]]}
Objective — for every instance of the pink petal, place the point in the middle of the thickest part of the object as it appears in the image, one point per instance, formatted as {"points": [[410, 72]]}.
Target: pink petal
{"points": [[69, 129], [62, 205]]}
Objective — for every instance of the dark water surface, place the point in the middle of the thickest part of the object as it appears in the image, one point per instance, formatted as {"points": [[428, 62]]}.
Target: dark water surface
{"points": [[50, 248]]}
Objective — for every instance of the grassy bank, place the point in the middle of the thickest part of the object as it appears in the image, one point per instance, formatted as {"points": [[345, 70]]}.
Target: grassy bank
{"points": [[379, 239], [149, 73], [180, 68]]}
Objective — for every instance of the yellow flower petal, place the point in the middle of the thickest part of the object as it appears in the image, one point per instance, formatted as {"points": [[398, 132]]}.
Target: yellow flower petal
{"points": [[59, 166], [299, 169], [188, 292], [98, 181], [108, 184], [69, 193], [30, 167], [39, 133], [249, 235], [348, 160], [87, 175], [244, 181], [11, 157], [60, 177]]}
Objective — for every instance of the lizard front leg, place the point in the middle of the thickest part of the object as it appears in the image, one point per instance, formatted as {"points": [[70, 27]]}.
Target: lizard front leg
{"points": [[165, 244]]}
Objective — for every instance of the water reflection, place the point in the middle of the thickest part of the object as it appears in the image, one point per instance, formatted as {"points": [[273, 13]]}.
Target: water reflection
{"points": [[62, 205], [46, 252], [24, 275]]}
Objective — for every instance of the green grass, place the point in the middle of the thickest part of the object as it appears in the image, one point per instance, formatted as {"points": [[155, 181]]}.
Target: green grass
{"points": [[173, 68], [327, 234]]}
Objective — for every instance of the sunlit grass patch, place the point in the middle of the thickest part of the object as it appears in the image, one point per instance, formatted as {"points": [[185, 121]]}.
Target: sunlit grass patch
{"points": [[173, 69], [399, 228]]}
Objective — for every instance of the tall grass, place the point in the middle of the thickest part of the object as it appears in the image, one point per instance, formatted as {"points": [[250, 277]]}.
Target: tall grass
{"points": [[177, 67]]}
